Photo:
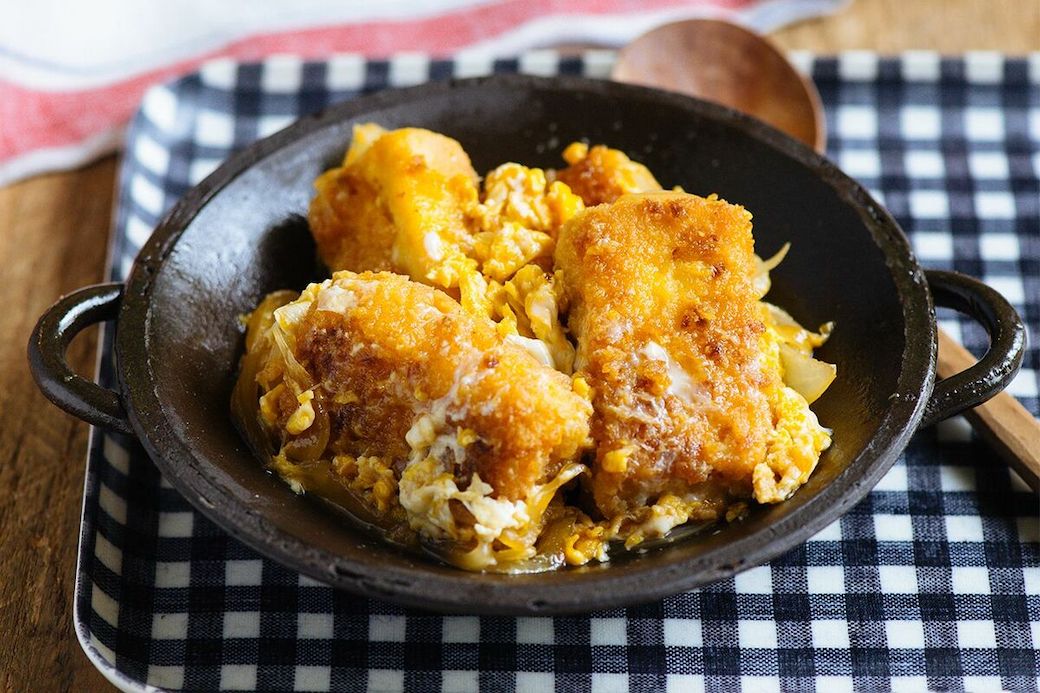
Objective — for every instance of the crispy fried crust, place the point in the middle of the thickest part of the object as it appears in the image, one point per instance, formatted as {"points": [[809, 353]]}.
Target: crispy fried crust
{"points": [[669, 334], [400, 202], [600, 174], [384, 351]]}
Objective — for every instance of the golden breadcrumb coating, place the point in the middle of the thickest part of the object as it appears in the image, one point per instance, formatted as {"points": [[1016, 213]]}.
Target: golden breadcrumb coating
{"points": [[671, 336], [411, 392], [599, 174], [400, 201]]}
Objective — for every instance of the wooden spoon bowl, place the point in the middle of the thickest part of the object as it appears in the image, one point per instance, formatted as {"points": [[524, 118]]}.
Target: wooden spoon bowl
{"points": [[725, 63]]}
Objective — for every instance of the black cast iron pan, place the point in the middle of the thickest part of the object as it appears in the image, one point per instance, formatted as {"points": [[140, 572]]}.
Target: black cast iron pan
{"points": [[240, 234]]}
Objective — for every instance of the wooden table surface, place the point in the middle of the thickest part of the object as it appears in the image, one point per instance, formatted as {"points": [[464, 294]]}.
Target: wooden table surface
{"points": [[53, 235]]}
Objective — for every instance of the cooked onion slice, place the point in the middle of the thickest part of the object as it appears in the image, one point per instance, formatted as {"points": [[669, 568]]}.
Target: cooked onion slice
{"points": [[804, 374], [764, 267]]}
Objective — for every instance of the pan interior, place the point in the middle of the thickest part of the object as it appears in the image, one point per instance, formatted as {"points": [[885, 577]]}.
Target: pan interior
{"points": [[251, 238]]}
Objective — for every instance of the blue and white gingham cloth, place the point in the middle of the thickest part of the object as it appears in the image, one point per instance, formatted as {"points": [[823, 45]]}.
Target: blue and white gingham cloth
{"points": [[932, 582]]}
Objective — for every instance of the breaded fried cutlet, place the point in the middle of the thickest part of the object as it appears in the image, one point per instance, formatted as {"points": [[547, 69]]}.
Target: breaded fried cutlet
{"points": [[673, 340], [400, 202], [469, 426], [600, 174]]}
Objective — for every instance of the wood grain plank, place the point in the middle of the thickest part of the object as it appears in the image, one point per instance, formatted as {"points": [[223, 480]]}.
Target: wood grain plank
{"points": [[53, 240], [946, 26]]}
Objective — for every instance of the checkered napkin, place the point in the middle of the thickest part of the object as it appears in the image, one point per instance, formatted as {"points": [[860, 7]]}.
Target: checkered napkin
{"points": [[932, 582]]}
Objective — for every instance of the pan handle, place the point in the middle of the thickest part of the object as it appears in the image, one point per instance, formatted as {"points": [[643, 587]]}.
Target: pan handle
{"points": [[1000, 363], [49, 341]]}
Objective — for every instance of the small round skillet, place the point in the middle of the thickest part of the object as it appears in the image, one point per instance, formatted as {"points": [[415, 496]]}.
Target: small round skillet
{"points": [[239, 235]]}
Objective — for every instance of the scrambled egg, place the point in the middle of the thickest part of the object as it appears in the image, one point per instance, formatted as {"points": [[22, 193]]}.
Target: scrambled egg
{"points": [[485, 344]]}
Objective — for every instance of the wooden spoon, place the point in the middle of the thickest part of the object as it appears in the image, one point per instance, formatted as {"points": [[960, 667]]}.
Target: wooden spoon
{"points": [[721, 62], [1001, 421], [727, 64]]}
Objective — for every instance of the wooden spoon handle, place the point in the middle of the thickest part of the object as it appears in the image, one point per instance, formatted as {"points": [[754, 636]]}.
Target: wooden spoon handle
{"points": [[1002, 421]]}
